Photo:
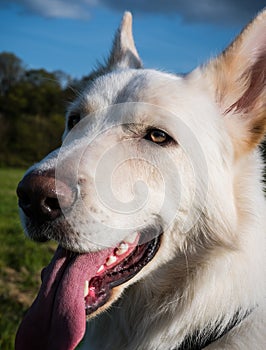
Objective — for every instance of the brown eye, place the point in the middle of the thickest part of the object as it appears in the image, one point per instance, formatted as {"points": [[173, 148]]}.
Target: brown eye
{"points": [[158, 136], [73, 119]]}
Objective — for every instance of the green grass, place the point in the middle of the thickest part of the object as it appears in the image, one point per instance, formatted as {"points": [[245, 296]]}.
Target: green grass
{"points": [[21, 261]]}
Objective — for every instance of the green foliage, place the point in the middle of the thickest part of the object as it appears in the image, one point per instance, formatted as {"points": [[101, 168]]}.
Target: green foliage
{"points": [[21, 261], [31, 139], [11, 70], [32, 106]]}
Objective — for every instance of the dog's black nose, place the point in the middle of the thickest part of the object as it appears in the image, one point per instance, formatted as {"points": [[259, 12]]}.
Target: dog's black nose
{"points": [[43, 198]]}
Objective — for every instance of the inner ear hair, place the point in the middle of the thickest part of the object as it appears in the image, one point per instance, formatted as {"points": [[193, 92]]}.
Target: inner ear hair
{"points": [[238, 77]]}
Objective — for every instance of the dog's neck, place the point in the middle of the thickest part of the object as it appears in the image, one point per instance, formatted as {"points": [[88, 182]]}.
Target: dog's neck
{"points": [[202, 338]]}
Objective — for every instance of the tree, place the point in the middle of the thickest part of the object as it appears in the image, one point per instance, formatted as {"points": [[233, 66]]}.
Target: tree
{"points": [[32, 104], [11, 71]]}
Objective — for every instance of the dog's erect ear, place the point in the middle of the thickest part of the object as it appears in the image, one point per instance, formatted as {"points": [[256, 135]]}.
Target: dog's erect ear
{"points": [[124, 53], [239, 80]]}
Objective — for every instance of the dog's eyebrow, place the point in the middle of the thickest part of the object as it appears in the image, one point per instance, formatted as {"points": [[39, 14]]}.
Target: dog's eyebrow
{"points": [[135, 128]]}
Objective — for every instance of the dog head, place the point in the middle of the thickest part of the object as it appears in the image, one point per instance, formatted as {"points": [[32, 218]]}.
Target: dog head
{"points": [[148, 160]]}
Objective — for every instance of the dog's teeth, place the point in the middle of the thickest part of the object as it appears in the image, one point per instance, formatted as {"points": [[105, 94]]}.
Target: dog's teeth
{"points": [[101, 268], [86, 288], [122, 249], [111, 260]]}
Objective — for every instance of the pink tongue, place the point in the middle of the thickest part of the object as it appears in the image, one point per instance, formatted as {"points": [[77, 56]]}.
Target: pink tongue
{"points": [[56, 320]]}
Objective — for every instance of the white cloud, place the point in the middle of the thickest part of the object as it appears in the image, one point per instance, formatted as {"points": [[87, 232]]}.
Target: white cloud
{"points": [[216, 11], [75, 9], [56, 8]]}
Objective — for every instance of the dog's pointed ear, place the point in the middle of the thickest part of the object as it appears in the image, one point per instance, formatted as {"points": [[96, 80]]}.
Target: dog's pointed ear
{"points": [[239, 80], [124, 53]]}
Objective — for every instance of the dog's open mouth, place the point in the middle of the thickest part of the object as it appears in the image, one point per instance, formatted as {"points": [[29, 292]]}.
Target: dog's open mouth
{"points": [[125, 261], [57, 317]]}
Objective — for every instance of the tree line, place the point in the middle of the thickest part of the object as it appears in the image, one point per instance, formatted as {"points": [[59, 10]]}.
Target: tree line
{"points": [[32, 108]]}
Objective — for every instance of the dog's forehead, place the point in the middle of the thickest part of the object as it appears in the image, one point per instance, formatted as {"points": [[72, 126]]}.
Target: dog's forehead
{"points": [[121, 86]]}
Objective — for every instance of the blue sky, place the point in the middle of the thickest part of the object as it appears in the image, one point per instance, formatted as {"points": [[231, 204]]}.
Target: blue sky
{"points": [[72, 36]]}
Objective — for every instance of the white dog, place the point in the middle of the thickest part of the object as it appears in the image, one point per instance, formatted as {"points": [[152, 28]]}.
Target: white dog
{"points": [[156, 200]]}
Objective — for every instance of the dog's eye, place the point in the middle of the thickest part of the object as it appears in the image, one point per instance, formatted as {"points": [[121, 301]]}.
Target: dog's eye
{"points": [[158, 136], [73, 119]]}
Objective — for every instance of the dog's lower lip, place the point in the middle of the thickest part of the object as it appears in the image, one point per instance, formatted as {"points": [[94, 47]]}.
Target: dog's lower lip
{"points": [[100, 286]]}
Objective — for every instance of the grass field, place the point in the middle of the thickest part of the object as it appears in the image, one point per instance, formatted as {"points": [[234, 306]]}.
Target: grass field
{"points": [[21, 261]]}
